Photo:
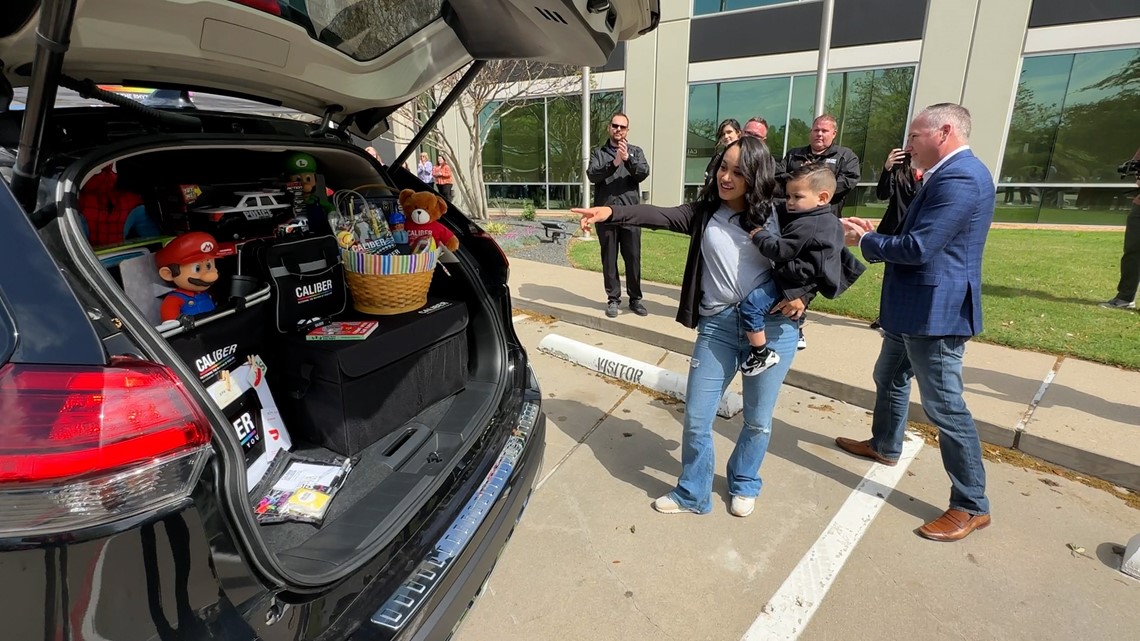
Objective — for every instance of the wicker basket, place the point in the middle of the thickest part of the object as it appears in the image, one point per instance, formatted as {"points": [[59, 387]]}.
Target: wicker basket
{"points": [[386, 285]]}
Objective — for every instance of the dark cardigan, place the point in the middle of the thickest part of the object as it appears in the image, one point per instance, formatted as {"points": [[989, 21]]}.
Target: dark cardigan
{"points": [[684, 220]]}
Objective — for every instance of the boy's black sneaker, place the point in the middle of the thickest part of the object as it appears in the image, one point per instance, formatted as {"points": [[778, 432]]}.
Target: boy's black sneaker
{"points": [[759, 359]]}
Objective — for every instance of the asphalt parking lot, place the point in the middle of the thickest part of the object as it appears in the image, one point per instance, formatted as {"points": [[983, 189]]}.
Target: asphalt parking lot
{"points": [[824, 556]]}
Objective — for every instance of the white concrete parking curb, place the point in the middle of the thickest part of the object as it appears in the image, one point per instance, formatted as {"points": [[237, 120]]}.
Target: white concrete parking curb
{"points": [[1131, 563], [632, 371]]}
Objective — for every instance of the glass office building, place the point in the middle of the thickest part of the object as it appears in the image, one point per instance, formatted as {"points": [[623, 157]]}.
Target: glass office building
{"points": [[1053, 87]]}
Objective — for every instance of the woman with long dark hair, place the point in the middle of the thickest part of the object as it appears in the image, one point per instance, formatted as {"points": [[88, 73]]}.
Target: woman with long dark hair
{"points": [[723, 266], [726, 133], [897, 185]]}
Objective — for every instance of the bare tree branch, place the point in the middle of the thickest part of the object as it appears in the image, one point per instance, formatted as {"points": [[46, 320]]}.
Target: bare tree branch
{"points": [[496, 91]]}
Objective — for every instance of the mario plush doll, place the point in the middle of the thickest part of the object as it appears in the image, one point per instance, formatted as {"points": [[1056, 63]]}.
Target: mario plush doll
{"points": [[187, 262]]}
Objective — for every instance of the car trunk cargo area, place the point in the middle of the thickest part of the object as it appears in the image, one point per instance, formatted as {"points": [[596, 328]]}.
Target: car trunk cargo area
{"points": [[401, 390]]}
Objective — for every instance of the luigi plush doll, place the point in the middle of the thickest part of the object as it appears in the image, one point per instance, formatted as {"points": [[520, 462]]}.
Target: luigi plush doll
{"points": [[302, 168]]}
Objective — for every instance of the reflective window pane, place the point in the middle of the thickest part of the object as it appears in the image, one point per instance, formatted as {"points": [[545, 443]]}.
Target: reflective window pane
{"points": [[509, 197], [886, 118], [1100, 123], [523, 136], [700, 142], [871, 107], [800, 112], [1063, 205], [1071, 121], [524, 142], [1036, 115], [766, 98], [864, 203], [564, 138], [703, 7], [565, 196], [493, 147]]}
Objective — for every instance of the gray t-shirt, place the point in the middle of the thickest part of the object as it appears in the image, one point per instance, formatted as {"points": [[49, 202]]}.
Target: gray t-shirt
{"points": [[733, 265]]}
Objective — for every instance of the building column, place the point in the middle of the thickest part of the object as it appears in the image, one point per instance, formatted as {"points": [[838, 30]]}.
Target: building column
{"points": [[946, 41], [971, 55], [656, 99], [993, 76]]}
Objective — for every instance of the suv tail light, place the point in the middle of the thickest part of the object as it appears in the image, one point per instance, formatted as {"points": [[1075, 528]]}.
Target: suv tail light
{"points": [[84, 446], [272, 7], [483, 235]]}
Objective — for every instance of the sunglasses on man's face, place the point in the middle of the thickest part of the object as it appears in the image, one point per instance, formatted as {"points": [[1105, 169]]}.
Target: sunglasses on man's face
{"points": [[614, 125]]}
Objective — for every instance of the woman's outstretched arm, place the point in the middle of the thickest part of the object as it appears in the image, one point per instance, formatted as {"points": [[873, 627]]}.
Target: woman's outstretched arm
{"points": [[678, 219]]}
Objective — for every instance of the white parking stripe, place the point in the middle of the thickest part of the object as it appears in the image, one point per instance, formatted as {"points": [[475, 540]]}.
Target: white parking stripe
{"points": [[515, 319], [788, 613]]}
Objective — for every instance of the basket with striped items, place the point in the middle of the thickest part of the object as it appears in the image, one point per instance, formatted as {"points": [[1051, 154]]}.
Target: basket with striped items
{"points": [[389, 284]]}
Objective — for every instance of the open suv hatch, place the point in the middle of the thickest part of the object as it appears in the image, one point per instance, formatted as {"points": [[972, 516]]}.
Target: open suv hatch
{"points": [[137, 452]]}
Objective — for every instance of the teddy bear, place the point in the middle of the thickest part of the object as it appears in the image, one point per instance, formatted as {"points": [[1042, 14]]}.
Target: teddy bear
{"points": [[422, 210]]}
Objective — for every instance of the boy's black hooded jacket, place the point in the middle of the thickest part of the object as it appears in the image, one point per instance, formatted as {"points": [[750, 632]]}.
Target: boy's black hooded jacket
{"points": [[809, 253]]}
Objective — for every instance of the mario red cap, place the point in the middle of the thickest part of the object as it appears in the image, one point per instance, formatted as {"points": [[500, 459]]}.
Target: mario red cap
{"points": [[188, 248]]}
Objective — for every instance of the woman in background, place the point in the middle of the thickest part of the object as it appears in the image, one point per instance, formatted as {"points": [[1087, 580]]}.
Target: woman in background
{"points": [[726, 133], [425, 171], [898, 184], [443, 178]]}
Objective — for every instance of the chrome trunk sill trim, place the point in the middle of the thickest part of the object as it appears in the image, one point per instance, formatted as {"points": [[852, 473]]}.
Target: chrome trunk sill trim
{"points": [[415, 591]]}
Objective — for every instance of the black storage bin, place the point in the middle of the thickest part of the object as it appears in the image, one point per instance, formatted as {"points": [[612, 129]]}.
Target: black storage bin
{"points": [[222, 343], [306, 274], [346, 395]]}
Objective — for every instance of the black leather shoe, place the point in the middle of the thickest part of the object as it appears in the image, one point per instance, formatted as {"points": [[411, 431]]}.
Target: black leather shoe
{"points": [[636, 307]]}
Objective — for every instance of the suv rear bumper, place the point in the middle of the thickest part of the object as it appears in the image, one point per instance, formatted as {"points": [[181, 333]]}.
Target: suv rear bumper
{"points": [[439, 616]]}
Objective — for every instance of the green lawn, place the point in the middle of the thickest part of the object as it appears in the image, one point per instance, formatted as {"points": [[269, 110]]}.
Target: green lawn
{"points": [[1040, 290]]}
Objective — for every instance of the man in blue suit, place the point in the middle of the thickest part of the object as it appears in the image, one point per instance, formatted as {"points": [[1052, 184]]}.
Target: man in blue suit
{"points": [[931, 305]]}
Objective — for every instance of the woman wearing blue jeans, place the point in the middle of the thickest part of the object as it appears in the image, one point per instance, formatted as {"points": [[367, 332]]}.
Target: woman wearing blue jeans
{"points": [[723, 266]]}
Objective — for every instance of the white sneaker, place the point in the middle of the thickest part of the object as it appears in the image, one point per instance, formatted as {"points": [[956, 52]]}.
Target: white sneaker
{"points": [[1118, 303], [666, 505], [759, 361], [802, 343], [742, 505]]}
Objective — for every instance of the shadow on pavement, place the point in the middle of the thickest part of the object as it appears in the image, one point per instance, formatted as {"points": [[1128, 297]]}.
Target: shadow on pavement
{"points": [[655, 452], [1055, 396], [610, 448], [836, 321], [560, 296], [787, 443], [1109, 554]]}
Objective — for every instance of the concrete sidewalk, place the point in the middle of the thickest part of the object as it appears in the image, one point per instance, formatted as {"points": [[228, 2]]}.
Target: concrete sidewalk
{"points": [[1072, 413]]}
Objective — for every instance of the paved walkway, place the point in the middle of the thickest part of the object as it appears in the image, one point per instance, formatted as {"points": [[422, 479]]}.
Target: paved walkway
{"points": [[828, 554], [1072, 413]]}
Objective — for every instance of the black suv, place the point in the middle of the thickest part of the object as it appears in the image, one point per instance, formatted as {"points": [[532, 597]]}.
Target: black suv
{"points": [[129, 502]]}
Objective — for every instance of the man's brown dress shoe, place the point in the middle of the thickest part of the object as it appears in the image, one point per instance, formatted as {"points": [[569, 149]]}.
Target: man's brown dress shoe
{"points": [[953, 525], [863, 449]]}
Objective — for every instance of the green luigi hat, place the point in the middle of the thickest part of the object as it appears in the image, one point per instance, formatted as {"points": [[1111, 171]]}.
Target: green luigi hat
{"points": [[300, 163]]}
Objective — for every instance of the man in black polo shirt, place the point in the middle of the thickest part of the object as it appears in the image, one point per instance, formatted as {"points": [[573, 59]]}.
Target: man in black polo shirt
{"points": [[823, 150]]}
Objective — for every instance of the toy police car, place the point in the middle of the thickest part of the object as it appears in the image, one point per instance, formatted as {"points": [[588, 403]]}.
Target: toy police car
{"points": [[257, 213]]}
